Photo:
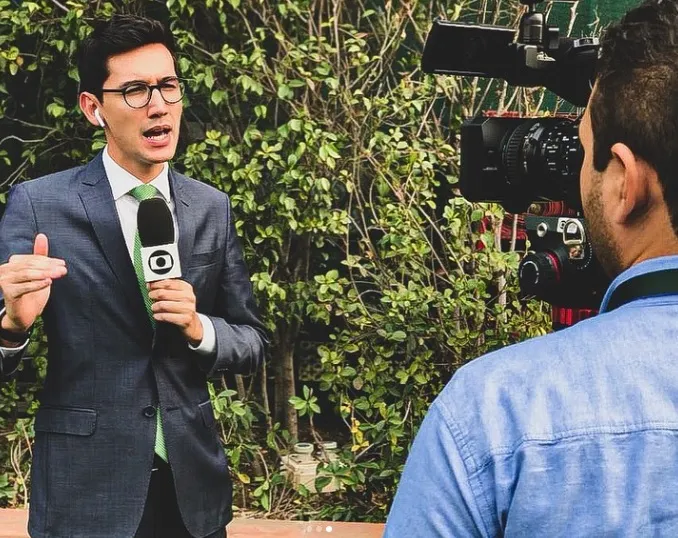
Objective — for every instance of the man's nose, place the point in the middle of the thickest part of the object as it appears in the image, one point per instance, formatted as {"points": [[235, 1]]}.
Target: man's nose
{"points": [[157, 105]]}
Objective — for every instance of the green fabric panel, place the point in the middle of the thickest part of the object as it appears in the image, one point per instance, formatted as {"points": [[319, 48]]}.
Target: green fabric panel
{"points": [[589, 12], [592, 18]]}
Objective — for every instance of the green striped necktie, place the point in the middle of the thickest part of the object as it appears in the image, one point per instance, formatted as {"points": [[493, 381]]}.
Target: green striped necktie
{"points": [[144, 192]]}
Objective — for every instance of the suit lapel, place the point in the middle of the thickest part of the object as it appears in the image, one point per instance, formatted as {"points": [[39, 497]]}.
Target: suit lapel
{"points": [[96, 196], [185, 221]]}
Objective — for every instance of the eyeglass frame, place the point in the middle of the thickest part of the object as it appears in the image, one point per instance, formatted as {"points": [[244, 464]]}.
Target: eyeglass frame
{"points": [[151, 88]]}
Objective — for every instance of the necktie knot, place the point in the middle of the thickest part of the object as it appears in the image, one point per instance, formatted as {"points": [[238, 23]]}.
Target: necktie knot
{"points": [[143, 192]]}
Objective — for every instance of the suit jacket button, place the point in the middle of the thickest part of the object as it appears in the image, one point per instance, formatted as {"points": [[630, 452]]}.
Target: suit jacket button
{"points": [[149, 411]]}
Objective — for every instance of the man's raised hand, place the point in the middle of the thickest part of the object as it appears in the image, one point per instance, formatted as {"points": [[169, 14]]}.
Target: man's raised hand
{"points": [[25, 282]]}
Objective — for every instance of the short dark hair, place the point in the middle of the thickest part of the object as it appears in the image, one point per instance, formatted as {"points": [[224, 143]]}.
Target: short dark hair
{"points": [[119, 34], [636, 96]]}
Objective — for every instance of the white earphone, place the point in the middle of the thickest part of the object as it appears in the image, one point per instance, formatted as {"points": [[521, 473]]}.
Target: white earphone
{"points": [[97, 115]]}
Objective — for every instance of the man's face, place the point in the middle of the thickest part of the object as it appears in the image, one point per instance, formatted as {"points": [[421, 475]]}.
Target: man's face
{"points": [[593, 194], [141, 139]]}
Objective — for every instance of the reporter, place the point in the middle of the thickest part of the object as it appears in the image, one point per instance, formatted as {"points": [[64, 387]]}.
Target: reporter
{"points": [[125, 437]]}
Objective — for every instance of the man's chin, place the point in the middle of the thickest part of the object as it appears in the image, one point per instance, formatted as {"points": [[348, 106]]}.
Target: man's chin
{"points": [[160, 156]]}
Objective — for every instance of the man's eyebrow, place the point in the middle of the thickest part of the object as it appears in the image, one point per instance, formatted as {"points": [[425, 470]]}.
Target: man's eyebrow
{"points": [[132, 82]]}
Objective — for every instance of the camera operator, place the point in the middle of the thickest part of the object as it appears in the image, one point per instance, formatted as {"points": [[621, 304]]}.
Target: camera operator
{"points": [[576, 433]]}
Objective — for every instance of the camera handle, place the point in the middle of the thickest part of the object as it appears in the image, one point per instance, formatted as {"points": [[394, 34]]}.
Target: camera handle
{"points": [[535, 38]]}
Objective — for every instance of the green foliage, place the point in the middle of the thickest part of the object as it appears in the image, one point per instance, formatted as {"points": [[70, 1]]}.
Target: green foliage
{"points": [[340, 158], [306, 405]]}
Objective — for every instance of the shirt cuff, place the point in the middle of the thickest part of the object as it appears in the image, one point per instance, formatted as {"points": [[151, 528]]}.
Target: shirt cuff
{"points": [[8, 353], [209, 337], [11, 351]]}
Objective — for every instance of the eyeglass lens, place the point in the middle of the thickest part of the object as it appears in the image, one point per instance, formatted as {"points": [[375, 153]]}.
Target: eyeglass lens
{"points": [[139, 95]]}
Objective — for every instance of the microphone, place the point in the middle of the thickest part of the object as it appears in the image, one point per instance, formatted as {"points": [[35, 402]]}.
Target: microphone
{"points": [[159, 251]]}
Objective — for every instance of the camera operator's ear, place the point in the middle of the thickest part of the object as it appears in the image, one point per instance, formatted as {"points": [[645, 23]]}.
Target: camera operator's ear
{"points": [[632, 184]]}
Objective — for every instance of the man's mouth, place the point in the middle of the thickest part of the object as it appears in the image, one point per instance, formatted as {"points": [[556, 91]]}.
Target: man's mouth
{"points": [[157, 133]]}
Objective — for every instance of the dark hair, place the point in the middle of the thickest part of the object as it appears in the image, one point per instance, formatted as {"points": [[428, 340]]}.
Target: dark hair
{"points": [[636, 97], [120, 34]]}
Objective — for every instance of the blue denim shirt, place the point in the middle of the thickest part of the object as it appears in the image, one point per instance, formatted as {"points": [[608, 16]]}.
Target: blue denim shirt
{"points": [[570, 434]]}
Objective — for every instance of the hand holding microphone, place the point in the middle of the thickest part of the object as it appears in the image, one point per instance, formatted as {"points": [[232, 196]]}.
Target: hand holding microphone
{"points": [[173, 299]]}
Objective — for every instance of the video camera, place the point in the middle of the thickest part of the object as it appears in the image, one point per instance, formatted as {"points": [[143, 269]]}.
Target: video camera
{"points": [[517, 162]]}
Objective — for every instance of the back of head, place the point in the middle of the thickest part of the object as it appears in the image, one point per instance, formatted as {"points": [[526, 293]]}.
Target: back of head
{"points": [[636, 96], [121, 33]]}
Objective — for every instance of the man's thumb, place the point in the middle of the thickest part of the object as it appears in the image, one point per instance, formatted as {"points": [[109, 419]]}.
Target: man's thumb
{"points": [[41, 245]]}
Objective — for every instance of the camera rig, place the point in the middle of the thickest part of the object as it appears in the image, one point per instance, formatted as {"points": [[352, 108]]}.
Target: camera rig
{"points": [[517, 162]]}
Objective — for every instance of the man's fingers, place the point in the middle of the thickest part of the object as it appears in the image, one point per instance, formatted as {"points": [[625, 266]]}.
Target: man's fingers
{"points": [[41, 245], [29, 287], [169, 284], [170, 295], [31, 275], [175, 319], [34, 261], [173, 307]]}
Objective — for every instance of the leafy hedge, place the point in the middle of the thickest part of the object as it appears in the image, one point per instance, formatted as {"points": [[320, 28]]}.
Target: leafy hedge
{"points": [[340, 158]]}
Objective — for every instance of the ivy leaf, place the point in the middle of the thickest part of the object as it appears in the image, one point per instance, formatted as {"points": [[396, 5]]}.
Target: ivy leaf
{"points": [[56, 110], [218, 96], [209, 78], [284, 92], [398, 336]]}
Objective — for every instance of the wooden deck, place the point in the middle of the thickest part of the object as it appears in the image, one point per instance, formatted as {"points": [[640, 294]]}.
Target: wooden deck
{"points": [[13, 525]]}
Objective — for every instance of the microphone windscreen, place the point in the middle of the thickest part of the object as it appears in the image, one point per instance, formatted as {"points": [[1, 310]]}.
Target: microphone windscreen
{"points": [[154, 222]]}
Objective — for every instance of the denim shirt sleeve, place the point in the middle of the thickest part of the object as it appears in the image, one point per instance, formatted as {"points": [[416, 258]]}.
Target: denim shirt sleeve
{"points": [[434, 498]]}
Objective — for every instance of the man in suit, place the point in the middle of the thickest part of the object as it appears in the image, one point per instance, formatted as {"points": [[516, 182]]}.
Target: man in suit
{"points": [[125, 438]]}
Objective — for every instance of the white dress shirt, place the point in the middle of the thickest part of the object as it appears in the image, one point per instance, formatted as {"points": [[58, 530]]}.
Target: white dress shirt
{"points": [[122, 182]]}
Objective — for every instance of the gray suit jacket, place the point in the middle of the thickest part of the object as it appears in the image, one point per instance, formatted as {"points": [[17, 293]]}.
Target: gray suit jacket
{"points": [[108, 371]]}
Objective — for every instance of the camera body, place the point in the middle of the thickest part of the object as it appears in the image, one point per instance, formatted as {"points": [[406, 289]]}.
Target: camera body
{"points": [[560, 267], [518, 162]]}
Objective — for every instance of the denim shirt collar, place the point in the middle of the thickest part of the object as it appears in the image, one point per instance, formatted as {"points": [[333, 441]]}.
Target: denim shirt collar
{"points": [[648, 266]]}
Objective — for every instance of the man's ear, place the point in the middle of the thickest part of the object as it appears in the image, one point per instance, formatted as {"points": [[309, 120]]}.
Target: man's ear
{"points": [[89, 104], [631, 186]]}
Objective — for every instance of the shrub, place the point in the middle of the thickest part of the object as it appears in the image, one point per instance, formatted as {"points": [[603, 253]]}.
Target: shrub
{"points": [[340, 158]]}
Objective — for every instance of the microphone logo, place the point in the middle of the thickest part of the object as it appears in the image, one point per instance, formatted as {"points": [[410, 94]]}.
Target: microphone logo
{"points": [[161, 262]]}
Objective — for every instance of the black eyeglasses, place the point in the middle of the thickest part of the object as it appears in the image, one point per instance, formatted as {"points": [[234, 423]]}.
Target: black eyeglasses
{"points": [[138, 94]]}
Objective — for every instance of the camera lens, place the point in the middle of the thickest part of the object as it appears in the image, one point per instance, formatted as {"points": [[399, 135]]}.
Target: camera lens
{"points": [[539, 272], [542, 160], [518, 161]]}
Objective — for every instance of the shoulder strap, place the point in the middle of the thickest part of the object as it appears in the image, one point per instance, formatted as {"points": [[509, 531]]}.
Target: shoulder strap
{"points": [[643, 286]]}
